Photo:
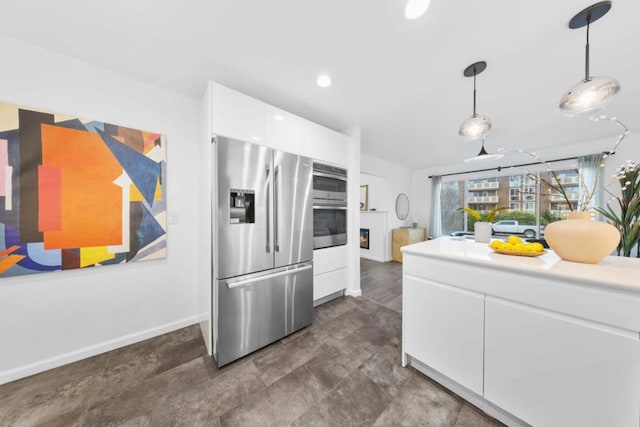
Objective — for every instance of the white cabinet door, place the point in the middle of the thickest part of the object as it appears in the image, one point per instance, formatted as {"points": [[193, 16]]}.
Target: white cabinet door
{"points": [[553, 370], [443, 328], [283, 130], [236, 115], [325, 144], [326, 284], [329, 259]]}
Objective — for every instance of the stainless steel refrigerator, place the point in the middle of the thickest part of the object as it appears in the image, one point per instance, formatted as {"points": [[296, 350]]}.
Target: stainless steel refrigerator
{"points": [[263, 237]]}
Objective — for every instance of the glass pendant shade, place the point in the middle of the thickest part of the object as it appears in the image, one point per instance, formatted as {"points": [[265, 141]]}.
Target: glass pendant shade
{"points": [[475, 127], [589, 96], [593, 93]]}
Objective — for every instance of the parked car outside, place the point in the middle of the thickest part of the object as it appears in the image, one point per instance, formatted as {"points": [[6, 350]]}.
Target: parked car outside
{"points": [[510, 226]]}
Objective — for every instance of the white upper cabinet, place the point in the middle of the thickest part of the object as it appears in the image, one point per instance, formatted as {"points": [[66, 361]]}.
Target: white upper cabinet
{"points": [[283, 130], [236, 115], [325, 144]]}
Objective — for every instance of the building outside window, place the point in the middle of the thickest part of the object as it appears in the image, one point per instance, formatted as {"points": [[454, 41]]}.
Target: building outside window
{"points": [[518, 193]]}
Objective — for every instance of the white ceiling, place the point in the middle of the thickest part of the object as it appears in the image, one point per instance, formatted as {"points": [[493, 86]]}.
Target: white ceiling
{"points": [[400, 80]]}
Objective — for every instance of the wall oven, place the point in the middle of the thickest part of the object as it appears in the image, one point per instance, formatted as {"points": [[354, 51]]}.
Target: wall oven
{"points": [[329, 206]]}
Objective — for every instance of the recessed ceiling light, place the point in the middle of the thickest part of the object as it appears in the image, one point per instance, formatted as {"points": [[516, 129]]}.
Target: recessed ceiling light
{"points": [[416, 8], [324, 80], [278, 117], [255, 138]]}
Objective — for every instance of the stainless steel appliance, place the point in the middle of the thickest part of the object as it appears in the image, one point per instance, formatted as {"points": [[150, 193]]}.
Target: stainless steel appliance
{"points": [[329, 206], [263, 287]]}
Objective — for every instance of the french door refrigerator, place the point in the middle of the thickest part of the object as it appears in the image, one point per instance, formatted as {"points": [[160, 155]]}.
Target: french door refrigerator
{"points": [[263, 287]]}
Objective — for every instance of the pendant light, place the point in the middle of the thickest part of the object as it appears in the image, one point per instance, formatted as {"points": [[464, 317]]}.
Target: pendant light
{"points": [[478, 125], [483, 156], [592, 93]]}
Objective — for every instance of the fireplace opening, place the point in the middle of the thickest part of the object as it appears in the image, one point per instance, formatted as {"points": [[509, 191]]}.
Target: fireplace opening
{"points": [[364, 238]]}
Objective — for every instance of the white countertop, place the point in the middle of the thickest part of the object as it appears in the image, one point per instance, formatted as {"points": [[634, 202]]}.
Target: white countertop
{"points": [[615, 272]]}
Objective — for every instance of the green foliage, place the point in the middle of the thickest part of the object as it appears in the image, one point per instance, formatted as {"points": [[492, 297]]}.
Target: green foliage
{"points": [[547, 217], [627, 217], [483, 216]]}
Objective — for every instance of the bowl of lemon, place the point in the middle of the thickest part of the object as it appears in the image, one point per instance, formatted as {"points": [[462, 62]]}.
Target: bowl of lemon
{"points": [[515, 246]]}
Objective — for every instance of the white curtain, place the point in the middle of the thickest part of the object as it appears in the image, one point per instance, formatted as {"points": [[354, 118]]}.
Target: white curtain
{"points": [[591, 177], [435, 226]]}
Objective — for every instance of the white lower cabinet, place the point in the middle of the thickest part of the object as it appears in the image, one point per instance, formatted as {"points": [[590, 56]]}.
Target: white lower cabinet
{"points": [[329, 283], [554, 370], [443, 328]]}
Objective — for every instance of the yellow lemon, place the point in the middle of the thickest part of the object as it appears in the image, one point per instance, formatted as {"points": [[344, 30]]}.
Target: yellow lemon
{"points": [[514, 240], [536, 247], [496, 244]]}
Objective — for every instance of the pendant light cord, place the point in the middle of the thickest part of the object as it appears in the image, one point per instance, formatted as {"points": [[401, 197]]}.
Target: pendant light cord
{"points": [[586, 56], [474, 92]]}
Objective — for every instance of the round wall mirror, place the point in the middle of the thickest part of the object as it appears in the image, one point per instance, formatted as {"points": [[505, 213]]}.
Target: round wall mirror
{"points": [[402, 206]]}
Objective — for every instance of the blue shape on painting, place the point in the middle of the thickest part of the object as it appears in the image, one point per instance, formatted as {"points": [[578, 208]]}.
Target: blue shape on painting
{"points": [[143, 171], [94, 126], [160, 206], [150, 250], [149, 229], [119, 258], [72, 124], [12, 238], [39, 254]]}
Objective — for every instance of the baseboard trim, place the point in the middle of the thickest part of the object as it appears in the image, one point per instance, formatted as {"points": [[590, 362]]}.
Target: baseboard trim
{"points": [[328, 298], [83, 353], [353, 292], [373, 258], [470, 396]]}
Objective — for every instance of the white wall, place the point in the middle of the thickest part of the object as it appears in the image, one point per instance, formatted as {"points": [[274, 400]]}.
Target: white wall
{"points": [[50, 319], [628, 150], [379, 246], [386, 180]]}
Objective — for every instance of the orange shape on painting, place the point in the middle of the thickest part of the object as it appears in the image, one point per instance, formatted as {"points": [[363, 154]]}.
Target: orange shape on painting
{"points": [[9, 262], [49, 209], [9, 250], [91, 204]]}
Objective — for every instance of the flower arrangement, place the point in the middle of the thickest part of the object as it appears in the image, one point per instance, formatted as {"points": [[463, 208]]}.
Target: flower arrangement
{"points": [[627, 221]]}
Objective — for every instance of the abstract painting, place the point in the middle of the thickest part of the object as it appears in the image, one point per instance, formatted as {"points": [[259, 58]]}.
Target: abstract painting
{"points": [[76, 193]]}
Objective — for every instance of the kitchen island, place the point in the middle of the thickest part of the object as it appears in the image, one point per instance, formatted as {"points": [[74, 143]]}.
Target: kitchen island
{"points": [[530, 340]]}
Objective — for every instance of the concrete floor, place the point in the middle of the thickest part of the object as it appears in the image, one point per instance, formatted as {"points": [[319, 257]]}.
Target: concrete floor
{"points": [[344, 370]]}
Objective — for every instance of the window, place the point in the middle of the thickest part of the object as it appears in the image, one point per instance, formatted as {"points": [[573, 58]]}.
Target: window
{"points": [[522, 200]]}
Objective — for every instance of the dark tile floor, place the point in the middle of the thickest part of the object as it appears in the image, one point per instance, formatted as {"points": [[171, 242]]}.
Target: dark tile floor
{"points": [[382, 282], [344, 370]]}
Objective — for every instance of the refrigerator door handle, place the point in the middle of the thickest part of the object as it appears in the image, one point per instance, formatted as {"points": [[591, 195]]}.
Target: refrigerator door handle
{"points": [[268, 248], [268, 276], [275, 208]]}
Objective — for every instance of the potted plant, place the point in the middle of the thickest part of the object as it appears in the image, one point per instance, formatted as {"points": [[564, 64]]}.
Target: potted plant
{"points": [[627, 218], [482, 226]]}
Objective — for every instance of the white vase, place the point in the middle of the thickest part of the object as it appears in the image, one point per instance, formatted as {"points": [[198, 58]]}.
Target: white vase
{"points": [[581, 239], [482, 232]]}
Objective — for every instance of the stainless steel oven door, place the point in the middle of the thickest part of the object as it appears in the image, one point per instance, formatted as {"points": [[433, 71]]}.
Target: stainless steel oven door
{"points": [[329, 226], [329, 187]]}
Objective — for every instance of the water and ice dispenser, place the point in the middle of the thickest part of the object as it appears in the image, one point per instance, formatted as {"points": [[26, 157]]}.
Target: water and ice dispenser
{"points": [[242, 207]]}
